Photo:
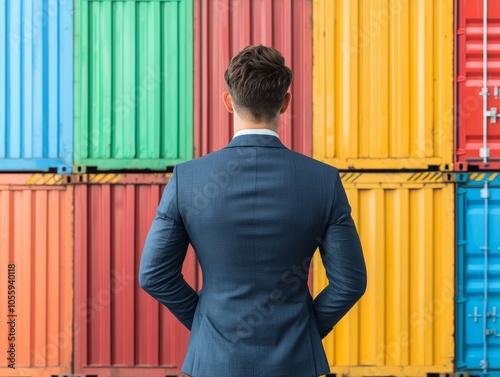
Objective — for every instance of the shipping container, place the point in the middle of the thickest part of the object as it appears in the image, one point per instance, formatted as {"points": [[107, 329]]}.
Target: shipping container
{"points": [[36, 85], [133, 84], [383, 84], [222, 29], [36, 264], [477, 85], [403, 325], [478, 274], [119, 329]]}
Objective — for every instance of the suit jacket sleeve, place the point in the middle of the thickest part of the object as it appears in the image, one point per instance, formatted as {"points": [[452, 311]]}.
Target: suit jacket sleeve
{"points": [[162, 258], [342, 257]]}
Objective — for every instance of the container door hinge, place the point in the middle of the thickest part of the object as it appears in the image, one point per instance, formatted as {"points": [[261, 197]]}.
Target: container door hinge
{"points": [[484, 152], [476, 314], [485, 193], [493, 315], [492, 113]]}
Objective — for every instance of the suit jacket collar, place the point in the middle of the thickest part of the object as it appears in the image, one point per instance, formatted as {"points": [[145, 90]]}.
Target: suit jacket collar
{"points": [[256, 140]]}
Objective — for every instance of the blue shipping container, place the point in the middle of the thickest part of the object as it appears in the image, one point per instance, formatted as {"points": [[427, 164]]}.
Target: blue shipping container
{"points": [[478, 274], [36, 85]]}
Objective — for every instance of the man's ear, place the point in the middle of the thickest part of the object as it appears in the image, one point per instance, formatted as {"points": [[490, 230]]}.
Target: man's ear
{"points": [[228, 101], [286, 102]]}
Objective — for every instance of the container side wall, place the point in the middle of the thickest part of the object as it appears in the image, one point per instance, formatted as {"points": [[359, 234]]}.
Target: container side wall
{"points": [[469, 83], [117, 324], [478, 251], [222, 29], [36, 76], [36, 243], [133, 84], [383, 84], [403, 325]]}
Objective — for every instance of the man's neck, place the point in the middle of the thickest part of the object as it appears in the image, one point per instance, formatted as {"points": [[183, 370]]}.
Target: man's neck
{"points": [[256, 131], [240, 124]]}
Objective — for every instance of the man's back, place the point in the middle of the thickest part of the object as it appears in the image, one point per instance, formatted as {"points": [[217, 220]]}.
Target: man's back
{"points": [[255, 212], [254, 236]]}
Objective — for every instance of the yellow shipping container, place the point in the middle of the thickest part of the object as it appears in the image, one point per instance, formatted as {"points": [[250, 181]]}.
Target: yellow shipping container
{"points": [[404, 324], [383, 83]]}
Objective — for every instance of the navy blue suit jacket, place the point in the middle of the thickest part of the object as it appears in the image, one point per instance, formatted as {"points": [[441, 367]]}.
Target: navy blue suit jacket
{"points": [[254, 212]]}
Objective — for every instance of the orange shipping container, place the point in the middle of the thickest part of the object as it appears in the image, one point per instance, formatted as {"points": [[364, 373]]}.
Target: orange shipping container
{"points": [[36, 244]]}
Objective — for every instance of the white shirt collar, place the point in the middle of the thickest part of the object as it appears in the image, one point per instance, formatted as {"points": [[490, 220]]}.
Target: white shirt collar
{"points": [[256, 131]]}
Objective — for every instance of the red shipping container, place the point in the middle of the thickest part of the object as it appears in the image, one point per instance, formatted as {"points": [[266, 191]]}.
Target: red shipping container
{"points": [[469, 84], [119, 329], [222, 29]]}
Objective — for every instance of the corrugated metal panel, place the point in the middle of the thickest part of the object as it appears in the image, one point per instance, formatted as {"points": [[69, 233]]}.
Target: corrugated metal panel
{"points": [[36, 78], [383, 84], [469, 84], [36, 234], [403, 325], [119, 329], [222, 29], [478, 251], [133, 83]]}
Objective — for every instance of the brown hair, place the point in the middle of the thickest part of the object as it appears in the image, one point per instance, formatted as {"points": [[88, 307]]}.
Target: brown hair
{"points": [[258, 79]]}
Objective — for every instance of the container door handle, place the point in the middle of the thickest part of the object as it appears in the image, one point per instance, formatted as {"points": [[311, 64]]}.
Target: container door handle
{"points": [[476, 315], [493, 314], [492, 113]]}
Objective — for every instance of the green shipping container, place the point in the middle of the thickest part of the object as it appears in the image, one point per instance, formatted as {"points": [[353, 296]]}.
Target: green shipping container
{"points": [[133, 83]]}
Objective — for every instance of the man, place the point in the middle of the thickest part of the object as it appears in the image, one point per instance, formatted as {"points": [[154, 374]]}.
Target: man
{"points": [[255, 212]]}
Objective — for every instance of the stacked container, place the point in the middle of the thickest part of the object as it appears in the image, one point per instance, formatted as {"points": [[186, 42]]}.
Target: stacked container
{"points": [[118, 92], [478, 273], [403, 325], [36, 92], [133, 118], [383, 115], [119, 329], [36, 257], [477, 149], [477, 145], [133, 84], [36, 210], [222, 29]]}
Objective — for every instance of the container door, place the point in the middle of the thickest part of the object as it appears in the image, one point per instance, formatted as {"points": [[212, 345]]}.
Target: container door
{"points": [[478, 144], [133, 84], [36, 86], [479, 286]]}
